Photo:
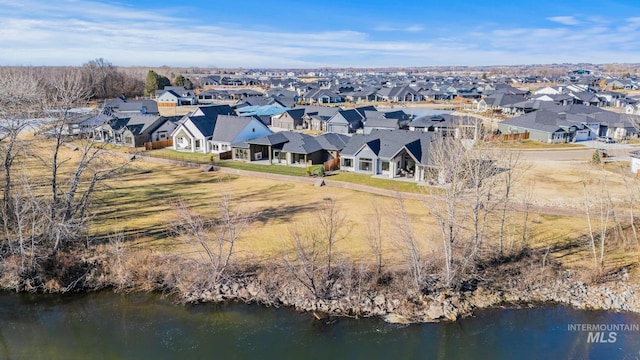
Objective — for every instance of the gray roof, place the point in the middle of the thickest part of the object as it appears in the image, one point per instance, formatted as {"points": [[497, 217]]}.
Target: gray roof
{"points": [[439, 120], [215, 110], [299, 143], [333, 141], [387, 143], [541, 120], [321, 111], [229, 127], [381, 122], [204, 124]]}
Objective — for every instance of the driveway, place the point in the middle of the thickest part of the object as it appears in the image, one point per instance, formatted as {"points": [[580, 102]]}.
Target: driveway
{"points": [[616, 151]]}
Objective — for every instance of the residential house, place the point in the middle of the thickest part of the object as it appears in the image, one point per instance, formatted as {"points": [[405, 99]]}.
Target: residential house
{"points": [[292, 148], [546, 126], [316, 117], [289, 120], [286, 148], [398, 94], [141, 129], [345, 122], [229, 130], [126, 106], [499, 101], [175, 96], [586, 98], [195, 130], [323, 96], [389, 153], [391, 120]]}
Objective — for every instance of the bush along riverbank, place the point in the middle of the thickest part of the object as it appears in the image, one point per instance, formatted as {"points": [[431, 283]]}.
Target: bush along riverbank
{"points": [[353, 291]]}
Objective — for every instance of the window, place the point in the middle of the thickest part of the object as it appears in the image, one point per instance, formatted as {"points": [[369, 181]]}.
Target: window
{"points": [[241, 154], [385, 166], [197, 144], [365, 165], [216, 147], [347, 162]]}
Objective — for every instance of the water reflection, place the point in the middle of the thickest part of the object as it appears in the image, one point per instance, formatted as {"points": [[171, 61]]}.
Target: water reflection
{"points": [[147, 326]]}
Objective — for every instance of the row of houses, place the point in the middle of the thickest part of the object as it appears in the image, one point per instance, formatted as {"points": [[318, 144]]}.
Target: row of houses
{"points": [[571, 123], [391, 153]]}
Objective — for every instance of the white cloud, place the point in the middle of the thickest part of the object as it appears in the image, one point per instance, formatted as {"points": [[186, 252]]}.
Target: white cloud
{"points": [[73, 32], [411, 28], [564, 20]]}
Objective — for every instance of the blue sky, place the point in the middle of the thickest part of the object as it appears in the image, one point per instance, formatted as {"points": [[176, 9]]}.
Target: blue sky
{"points": [[327, 33]]}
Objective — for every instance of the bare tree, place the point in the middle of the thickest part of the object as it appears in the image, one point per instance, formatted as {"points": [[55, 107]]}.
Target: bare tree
{"points": [[511, 169], [313, 245], [374, 235], [218, 236], [20, 106], [411, 249], [307, 259], [598, 198], [447, 159]]}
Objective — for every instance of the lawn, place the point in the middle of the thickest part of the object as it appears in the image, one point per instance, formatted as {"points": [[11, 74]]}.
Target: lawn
{"points": [[140, 204], [395, 185], [183, 156], [271, 169]]}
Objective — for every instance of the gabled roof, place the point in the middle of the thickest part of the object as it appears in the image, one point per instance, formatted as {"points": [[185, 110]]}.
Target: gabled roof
{"points": [[139, 124], [295, 114], [289, 141], [502, 99], [148, 106], [388, 143], [228, 127], [333, 141], [381, 122], [118, 123], [541, 120], [214, 111], [439, 120], [351, 116], [324, 112], [204, 124]]}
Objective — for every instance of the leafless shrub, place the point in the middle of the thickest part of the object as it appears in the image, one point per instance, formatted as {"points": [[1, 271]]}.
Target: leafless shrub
{"points": [[216, 236], [312, 258]]}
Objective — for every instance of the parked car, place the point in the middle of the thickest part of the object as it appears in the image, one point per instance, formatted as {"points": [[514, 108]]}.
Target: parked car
{"points": [[606, 139]]}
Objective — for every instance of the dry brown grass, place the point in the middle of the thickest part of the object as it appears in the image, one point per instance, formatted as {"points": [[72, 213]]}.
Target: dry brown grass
{"points": [[139, 203]]}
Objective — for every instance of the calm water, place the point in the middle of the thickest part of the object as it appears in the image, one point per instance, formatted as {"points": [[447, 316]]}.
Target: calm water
{"points": [[112, 326]]}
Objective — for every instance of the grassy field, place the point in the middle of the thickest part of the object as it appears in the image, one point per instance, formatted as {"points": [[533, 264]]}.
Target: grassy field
{"points": [[140, 204], [394, 185]]}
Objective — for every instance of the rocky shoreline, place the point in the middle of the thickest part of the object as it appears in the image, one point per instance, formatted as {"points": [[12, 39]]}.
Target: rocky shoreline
{"points": [[447, 305]]}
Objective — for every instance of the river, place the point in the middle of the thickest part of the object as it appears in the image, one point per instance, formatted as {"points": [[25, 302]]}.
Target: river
{"points": [[147, 326]]}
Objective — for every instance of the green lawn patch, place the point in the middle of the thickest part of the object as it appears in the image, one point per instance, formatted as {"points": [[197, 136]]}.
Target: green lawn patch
{"points": [[170, 154], [271, 169], [368, 180]]}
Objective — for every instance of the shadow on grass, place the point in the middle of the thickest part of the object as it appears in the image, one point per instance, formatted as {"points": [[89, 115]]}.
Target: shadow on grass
{"points": [[284, 213]]}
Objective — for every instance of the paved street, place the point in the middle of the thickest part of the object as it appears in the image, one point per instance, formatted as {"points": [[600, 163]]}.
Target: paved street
{"points": [[616, 151]]}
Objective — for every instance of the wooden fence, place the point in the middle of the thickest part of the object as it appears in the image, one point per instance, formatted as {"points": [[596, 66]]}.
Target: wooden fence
{"points": [[158, 144], [227, 155], [333, 164], [509, 137]]}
